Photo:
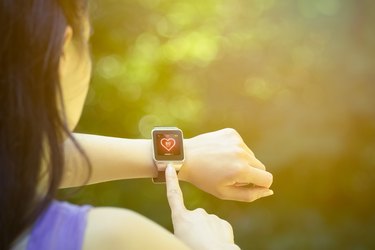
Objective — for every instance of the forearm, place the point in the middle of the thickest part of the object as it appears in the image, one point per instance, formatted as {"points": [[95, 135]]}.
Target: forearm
{"points": [[111, 159], [218, 162]]}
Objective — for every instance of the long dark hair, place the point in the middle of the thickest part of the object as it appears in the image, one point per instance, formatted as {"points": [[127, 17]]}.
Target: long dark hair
{"points": [[32, 127]]}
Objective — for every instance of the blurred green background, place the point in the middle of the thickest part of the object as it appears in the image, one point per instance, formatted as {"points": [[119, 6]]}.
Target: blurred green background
{"points": [[294, 77]]}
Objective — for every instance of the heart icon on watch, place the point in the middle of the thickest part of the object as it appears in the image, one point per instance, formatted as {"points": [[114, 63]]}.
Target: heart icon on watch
{"points": [[168, 143]]}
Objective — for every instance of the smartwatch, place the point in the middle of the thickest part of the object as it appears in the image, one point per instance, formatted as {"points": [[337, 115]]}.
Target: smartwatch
{"points": [[168, 149]]}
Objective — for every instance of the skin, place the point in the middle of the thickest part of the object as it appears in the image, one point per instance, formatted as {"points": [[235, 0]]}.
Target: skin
{"points": [[219, 163], [196, 228], [75, 73]]}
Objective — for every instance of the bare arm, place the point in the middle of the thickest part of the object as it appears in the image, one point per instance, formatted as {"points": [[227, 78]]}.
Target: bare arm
{"points": [[111, 158], [218, 162], [115, 228]]}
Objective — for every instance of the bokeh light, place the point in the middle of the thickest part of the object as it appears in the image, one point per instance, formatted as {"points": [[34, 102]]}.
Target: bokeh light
{"points": [[294, 77]]}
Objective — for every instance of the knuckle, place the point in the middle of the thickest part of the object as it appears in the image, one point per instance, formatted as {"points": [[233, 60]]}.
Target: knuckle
{"points": [[200, 211], [238, 150], [240, 167], [214, 217], [235, 170], [230, 132], [172, 194], [227, 225], [233, 131], [172, 190]]}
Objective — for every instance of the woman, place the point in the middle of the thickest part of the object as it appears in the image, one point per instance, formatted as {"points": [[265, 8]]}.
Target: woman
{"points": [[44, 77]]}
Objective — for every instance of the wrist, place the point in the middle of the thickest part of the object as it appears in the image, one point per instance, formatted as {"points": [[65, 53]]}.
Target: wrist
{"points": [[184, 174], [142, 157], [168, 149]]}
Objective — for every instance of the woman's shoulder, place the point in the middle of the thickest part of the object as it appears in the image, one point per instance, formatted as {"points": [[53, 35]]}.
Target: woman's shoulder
{"points": [[116, 228]]}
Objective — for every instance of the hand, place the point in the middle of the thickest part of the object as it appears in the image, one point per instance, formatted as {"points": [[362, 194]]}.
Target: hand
{"points": [[197, 228], [221, 164]]}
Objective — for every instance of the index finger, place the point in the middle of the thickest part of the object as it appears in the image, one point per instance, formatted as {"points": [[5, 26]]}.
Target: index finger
{"points": [[174, 193]]}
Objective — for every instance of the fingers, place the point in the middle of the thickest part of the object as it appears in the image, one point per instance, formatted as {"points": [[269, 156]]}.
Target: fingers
{"points": [[246, 194], [254, 162], [255, 171], [174, 193], [257, 176], [251, 159], [238, 141], [227, 227]]}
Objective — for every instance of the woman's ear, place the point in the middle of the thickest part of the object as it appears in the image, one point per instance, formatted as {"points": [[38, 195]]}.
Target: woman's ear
{"points": [[68, 36], [64, 57]]}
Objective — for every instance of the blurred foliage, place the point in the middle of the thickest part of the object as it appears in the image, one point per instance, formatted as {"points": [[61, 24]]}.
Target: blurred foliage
{"points": [[294, 77]]}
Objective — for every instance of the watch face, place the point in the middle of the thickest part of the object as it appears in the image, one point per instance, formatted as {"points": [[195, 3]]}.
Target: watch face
{"points": [[168, 145]]}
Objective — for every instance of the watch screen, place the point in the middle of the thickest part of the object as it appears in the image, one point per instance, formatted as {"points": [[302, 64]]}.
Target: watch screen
{"points": [[168, 145]]}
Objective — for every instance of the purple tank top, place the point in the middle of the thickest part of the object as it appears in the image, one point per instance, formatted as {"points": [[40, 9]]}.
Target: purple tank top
{"points": [[60, 227]]}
